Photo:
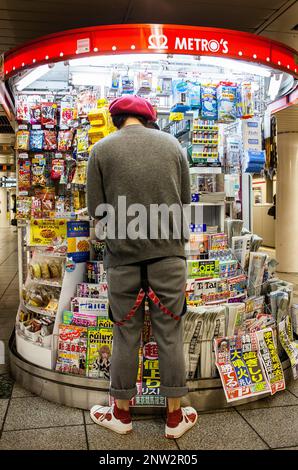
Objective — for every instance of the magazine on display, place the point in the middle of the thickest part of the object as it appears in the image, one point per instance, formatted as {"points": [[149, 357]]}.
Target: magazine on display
{"points": [[290, 346], [240, 367], [72, 348], [273, 367], [99, 351], [241, 247], [256, 271]]}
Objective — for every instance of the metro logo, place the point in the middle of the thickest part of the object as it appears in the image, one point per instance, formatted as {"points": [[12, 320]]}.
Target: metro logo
{"points": [[201, 45]]}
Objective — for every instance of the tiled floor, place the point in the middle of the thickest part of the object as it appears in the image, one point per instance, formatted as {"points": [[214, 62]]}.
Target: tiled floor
{"points": [[29, 422]]}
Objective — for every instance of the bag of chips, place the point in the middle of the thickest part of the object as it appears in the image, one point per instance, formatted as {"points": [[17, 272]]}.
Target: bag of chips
{"points": [[35, 114], [82, 141], [24, 175], [38, 170], [36, 140], [65, 139], [23, 209], [22, 140], [48, 114], [50, 140], [58, 168]]}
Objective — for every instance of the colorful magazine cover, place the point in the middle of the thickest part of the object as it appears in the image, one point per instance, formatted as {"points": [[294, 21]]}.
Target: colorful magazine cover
{"points": [[240, 367], [99, 351], [72, 347]]}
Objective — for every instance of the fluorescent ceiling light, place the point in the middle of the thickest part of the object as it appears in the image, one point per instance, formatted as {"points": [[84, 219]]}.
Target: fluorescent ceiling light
{"points": [[236, 65], [86, 79], [130, 59], [32, 77], [274, 86]]}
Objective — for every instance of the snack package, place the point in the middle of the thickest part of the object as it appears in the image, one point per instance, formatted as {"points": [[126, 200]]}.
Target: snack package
{"points": [[208, 102], [36, 140], [68, 113], [80, 176], [85, 102], [50, 140], [65, 139], [23, 209], [58, 168], [22, 109], [49, 114], [22, 140], [82, 141], [24, 175], [59, 206], [38, 170], [47, 198], [226, 102], [36, 210], [35, 114]]}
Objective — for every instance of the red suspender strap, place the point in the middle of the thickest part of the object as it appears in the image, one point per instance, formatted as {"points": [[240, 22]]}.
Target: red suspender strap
{"points": [[152, 296], [133, 310]]}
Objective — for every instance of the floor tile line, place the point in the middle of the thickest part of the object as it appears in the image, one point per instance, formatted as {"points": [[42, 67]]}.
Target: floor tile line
{"points": [[43, 427], [14, 251], [254, 430], [285, 447], [267, 407], [292, 393], [85, 429], [5, 416], [8, 286]]}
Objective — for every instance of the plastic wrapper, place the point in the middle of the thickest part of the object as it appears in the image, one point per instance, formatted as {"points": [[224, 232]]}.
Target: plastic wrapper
{"points": [[22, 140], [24, 175], [23, 210], [36, 209], [50, 140], [80, 176], [226, 102], [22, 109], [36, 140], [68, 113], [58, 168], [38, 170], [49, 114], [85, 102], [208, 102], [194, 95], [245, 101], [82, 141], [35, 114], [65, 139]]}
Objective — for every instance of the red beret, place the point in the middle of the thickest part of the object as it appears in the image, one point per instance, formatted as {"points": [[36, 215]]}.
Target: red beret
{"points": [[131, 104]]}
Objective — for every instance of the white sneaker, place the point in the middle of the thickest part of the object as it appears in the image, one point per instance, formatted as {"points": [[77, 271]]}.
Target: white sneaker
{"points": [[104, 416], [189, 419]]}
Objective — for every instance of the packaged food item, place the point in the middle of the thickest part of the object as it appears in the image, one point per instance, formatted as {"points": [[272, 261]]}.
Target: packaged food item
{"points": [[208, 102], [35, 271], [85, 102], [22, 140], [65, 139], [80, 176], [38, 169], [58, 167], [115, 80], [226, 102], [45, 272], [68, 112], [36, 140], [36, 209], [24, 175], [47, 199], [50, 140], [82, 141], [144, 80], [22, 109], [23, 209], [59, 206], [35, 114], [49, 114]]}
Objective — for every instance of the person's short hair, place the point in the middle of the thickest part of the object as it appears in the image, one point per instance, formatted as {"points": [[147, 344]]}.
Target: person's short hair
{"points": [[119, 119], [153, 125]]}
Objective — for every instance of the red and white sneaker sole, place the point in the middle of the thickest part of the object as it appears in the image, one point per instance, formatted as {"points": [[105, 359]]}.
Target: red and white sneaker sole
{"points": [[119, 428], [168, 434]]}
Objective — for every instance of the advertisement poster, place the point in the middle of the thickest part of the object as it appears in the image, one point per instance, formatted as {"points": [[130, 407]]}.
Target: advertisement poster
{"points": [[203, 269], [45, 232], [78, 247]]}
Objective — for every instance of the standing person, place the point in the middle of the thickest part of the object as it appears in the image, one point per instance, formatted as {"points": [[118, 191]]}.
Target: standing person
{"points": [[148, 168]]}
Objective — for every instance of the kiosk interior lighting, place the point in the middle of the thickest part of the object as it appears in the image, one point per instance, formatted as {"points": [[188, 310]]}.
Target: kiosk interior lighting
{"points": [[31, 77]]}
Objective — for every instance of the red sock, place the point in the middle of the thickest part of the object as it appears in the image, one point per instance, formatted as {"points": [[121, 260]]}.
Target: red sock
{"points": [[174, 418], [123, 415]]}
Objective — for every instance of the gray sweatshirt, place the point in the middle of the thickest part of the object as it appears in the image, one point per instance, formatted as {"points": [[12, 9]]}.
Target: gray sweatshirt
{"points": [[148, 167]]}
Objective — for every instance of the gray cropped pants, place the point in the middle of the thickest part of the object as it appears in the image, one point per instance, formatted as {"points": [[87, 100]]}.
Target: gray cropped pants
{"points": [[167, 278]]}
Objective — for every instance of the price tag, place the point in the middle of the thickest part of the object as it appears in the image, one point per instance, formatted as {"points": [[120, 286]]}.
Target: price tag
{"points": [[49, 126], [23, 127], [23, 193], [36, 126], [23, 155]]}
